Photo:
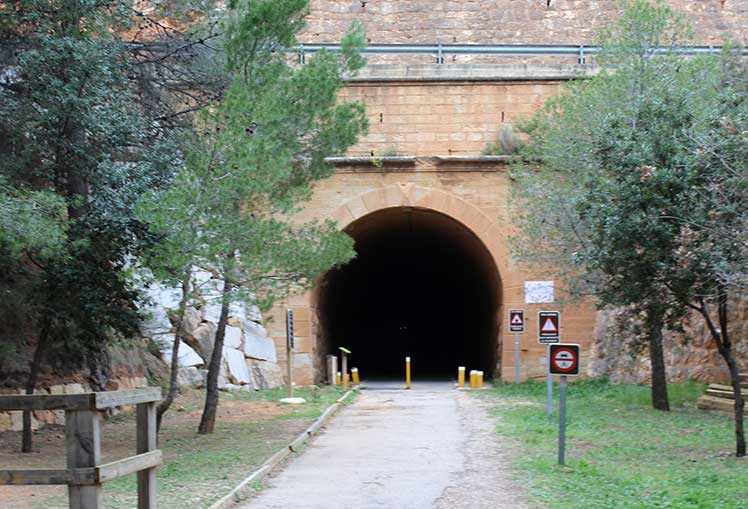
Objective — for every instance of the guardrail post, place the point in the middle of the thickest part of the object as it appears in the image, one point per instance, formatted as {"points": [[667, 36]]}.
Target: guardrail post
{"points": [[301, 54], [440, 55], [581, 54], [83, 445], [146, 442]]}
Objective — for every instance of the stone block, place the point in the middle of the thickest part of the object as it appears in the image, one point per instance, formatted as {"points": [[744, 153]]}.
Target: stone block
{"points": [[187, 356], [233, 338], [192, 320], [16, 423], [202, 340], [189, 377], [259, 347], [303, 369], [266, 375], [5, 421], [237, 366]]}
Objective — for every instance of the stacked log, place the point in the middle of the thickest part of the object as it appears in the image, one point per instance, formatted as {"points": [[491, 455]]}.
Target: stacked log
{"points": [[720, 398]]}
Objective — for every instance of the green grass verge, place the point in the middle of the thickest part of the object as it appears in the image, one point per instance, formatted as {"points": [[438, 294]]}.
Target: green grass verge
{"points": [[621, 453], [199, 469]]}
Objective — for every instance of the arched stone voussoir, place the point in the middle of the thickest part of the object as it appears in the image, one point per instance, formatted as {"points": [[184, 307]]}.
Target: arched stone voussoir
{"points": [[451, 205]]}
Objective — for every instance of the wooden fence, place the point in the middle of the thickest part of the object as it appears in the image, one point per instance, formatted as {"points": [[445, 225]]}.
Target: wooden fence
{"points": [[85, 473]]}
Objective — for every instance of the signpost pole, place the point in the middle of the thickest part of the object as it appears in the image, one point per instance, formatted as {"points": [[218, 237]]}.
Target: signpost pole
{"points": [[516, 357], [289, 367], [549, 383], [289, 351], [562, 423]]}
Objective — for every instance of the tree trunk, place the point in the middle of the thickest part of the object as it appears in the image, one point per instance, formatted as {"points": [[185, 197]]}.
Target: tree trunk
{"points": [[725, 349], [739, 403], [657, 360], [36, 363], [99, 367], [164, 405], [208, 420]]}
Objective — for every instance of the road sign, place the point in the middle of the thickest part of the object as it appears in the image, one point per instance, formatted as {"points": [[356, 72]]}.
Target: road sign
{"points": [[564, 359], [516, 320], [549, 327], [289, 329]]}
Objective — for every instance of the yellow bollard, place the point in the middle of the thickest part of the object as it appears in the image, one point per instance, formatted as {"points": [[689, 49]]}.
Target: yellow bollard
{"points": [[356, 379], [407, 372], [472, 379], [479, 379], [461, 376], [339, 378], [346, 381]]}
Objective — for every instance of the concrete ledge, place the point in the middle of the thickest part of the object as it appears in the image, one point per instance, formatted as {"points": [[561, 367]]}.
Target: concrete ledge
{"points": [[372, 161], [420, 164], [295, 446], [473, 72]]}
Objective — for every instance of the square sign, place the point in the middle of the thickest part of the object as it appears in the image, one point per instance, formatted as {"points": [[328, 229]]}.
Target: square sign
{"points": [[549, 327], [516, 320], [564, 359]]}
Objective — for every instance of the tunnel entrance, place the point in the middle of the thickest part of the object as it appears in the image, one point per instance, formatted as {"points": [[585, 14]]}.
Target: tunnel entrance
{"points": [[422, 285]]}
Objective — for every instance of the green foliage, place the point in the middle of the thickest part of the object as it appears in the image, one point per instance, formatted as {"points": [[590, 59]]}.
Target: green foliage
{"points": [[30, 222], [230, 210], [88, 124], [620, 452], [615, 178]]}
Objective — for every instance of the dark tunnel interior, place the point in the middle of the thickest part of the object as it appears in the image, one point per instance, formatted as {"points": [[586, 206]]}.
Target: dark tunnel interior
{"points": [[422, 285]]}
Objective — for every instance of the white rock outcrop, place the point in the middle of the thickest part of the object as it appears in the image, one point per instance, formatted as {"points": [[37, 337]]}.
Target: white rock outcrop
{"points": [[187, 356]]}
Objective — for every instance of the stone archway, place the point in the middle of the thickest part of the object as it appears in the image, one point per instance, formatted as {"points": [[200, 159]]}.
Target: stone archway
{"points": [[426, 283]]}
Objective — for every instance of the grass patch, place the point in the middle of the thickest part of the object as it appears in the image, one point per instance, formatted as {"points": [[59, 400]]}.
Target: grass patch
{"points": [[199, 469], [621, 453]]}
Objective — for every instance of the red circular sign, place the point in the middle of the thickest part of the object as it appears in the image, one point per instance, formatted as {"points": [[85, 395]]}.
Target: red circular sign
{"points": [[564, 359]]}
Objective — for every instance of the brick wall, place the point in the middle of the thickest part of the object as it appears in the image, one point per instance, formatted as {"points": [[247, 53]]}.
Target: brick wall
{"points": [[442, 118]]}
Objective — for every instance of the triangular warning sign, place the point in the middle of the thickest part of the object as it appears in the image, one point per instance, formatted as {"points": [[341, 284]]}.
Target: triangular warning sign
{"points": [[516, 320], [549, 327]]}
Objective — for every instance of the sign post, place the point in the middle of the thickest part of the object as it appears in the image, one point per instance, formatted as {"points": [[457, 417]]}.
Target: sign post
{"points": [[516, 325], [549, 332], [289, 351], [564, 361]]}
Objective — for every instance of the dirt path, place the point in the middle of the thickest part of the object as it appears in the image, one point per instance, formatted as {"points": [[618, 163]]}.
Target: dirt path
{"points": [[425, 448]]}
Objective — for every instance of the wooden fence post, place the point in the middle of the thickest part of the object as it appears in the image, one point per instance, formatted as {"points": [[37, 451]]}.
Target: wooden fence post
{"points": [[83, 444], [146, 442]]}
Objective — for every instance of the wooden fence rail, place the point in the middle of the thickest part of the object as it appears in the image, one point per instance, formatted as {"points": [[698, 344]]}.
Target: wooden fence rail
{"points": [[85, 473]]}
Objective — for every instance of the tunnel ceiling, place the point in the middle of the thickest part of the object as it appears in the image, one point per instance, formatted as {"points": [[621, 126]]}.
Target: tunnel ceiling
{"points": [[422, 285]]}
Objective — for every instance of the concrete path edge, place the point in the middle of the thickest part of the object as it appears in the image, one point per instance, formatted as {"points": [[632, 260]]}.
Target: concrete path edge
{"points": [[235, 495]]}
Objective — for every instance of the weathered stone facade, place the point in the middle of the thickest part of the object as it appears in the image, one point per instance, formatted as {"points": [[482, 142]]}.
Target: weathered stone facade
{"points": [[506, 21], [473, 192], [442, 117]]}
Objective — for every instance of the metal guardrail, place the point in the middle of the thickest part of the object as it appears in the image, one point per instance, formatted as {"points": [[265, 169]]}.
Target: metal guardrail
{"points": [[507, 50]]}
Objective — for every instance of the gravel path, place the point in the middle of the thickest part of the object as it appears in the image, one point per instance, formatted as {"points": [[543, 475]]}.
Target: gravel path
{"points": [[428, 447]]}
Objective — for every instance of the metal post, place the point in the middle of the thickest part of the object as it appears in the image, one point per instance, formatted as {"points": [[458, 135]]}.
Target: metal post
{"points": [[581, 54], [562, 423], [516, 358], [549, 383], [344, 368], [289, 368], [439, 55]]}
